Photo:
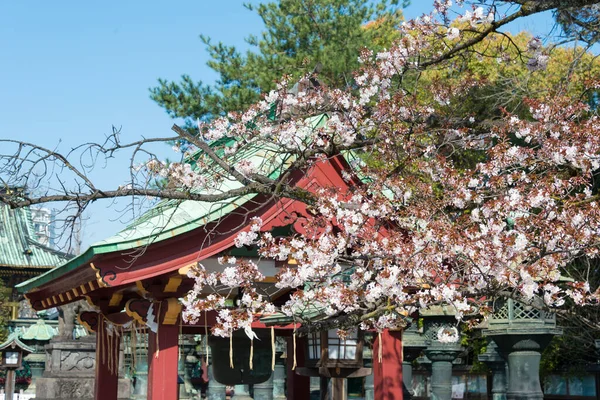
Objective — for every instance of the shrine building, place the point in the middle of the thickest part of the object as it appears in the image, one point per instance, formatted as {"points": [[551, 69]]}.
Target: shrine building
{"points": [[137, 276]]}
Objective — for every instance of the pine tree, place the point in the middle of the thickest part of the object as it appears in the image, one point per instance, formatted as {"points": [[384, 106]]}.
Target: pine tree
{"points": [[298, 35]]}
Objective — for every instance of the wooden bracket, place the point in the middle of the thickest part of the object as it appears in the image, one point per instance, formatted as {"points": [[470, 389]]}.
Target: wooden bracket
{"points": [[172, 312]]}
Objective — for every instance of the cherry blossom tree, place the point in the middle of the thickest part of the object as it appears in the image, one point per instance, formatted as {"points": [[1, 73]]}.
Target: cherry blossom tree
{"points": [[445, 206]]}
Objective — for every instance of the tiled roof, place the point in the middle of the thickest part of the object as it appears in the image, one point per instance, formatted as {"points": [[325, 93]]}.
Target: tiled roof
{"points": [[19, 247]]}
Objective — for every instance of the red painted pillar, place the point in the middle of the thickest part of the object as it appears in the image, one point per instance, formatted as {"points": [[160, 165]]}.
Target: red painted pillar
{"points": [[387, 373], [298, 387], [163, 352], [107, 363]]}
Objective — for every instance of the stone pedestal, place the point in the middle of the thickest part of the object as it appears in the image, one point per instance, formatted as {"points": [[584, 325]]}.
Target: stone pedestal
{"points": [[191, 362], [216, 390], [414, 344], [497, 365], [407, 377], [264, 390], [187, 360], [436, 320], [279, 379], [369, 382], [441, 370], [521, 332], [523, 353], [70, 372], [315, 388], [242, 392], [369, 388], [140, 388], [36, 363]]}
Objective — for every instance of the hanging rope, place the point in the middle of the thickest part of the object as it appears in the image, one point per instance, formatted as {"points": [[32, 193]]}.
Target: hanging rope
{"points": [[251, 353], [116, 345], [157, 352], [272, 349], [110, 345], [294, 342], [134, 346], [380, 346], [109, 339], [116, 348], [180, 338], [231, 351], [118, 339], [206, 337]]}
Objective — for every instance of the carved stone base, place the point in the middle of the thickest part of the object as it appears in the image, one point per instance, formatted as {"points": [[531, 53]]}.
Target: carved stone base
{"points": [[74, 389], [70, 372]]}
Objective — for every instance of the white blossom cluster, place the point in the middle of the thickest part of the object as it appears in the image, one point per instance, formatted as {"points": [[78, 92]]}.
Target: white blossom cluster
{"points": [[411, 228]]}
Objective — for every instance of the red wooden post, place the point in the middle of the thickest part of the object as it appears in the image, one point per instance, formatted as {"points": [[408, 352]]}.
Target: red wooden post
{"points": [[107, 364], [163, 352], [298, 387], [387, 373]]}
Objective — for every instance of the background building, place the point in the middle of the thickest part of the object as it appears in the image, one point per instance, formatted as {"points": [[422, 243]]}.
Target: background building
{"points": [[43, 225], [23, 253]]}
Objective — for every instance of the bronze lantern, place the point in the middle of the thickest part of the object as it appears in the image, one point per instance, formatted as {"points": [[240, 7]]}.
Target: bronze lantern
{"points": [[328, 355]]}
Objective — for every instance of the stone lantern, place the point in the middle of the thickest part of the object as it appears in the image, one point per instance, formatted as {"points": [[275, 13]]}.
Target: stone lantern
{"points": [[521, 332], [437, 319], [497, 365], [413, 344], [37, 336]]}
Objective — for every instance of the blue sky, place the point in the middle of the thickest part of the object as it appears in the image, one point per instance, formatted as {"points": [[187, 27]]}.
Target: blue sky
{"points": [[72, 69]]}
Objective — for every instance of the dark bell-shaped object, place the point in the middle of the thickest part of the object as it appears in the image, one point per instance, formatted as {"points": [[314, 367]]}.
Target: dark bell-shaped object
{"points": [[241, 372]]}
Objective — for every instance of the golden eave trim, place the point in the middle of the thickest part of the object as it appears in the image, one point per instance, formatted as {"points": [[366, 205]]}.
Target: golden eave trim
{"points": [[99, 279], [173, 311], [115, 299], [173, 284]]}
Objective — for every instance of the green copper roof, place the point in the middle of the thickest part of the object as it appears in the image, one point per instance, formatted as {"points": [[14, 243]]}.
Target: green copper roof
{"points": [[19, 247], [170, 218], [39, 331], [13, 342]]}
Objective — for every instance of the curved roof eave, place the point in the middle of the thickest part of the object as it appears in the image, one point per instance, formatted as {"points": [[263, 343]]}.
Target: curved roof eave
{"points": [[136, 242], [120, 242]]}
